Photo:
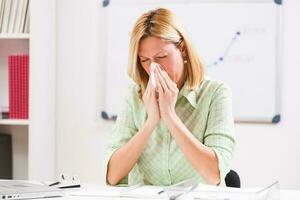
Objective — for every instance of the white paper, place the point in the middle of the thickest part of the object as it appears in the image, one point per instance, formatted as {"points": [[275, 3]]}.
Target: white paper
{"points": [[201, 192], [107, 191], [152, 78], [223, 193], [147, 191]]}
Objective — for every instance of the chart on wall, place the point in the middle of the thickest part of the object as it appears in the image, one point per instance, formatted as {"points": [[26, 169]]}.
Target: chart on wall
{"points": [[238, 41]]}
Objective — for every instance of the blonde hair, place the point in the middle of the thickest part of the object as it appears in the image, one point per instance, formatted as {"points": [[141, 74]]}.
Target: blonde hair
{"points": [[163, 24]]}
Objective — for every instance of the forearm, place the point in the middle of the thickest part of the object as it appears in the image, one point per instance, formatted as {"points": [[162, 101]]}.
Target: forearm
{"points": [[124, 159], [201, 157]]}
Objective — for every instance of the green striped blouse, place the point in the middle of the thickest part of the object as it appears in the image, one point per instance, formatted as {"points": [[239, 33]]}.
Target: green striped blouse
{"points": [[206, 112]]}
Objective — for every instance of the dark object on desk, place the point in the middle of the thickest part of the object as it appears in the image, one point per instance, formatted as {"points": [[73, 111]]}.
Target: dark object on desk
{"points": [[105, 116], [64, 186], [4, 115], [5, 156], [232, 179], [53, 184], [69, 186]]}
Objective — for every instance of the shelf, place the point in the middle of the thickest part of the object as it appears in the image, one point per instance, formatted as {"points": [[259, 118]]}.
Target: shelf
{"points": [[14, 122], [14, 35], [27, 152]]}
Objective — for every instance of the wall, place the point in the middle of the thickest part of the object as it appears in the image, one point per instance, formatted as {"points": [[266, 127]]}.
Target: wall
{"points": [[272, 152], [264, 152], [81, 135]]}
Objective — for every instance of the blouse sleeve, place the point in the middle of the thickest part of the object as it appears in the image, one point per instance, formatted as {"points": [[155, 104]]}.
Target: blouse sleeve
{"points": [[123, 130], [219, 134]]}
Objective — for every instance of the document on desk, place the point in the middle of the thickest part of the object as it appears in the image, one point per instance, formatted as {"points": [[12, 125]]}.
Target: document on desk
{"points": [[146, 191], [205, 192], [97, 191], [200, 192], [139, 191], [172, 192], [136, 191]]}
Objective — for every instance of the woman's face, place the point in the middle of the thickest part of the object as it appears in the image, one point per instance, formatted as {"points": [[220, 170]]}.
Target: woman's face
{"points": [[153, 49]]}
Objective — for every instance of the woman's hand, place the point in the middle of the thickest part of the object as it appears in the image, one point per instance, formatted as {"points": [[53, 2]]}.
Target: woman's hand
{"points": [[167, 93], [151, 104]]}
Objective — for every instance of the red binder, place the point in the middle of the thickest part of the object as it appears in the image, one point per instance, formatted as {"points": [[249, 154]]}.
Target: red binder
{"points": [[18, 69]]}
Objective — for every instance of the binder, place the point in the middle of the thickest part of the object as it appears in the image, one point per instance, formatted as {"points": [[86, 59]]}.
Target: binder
{"points": [[18, 86], [5, 156]]}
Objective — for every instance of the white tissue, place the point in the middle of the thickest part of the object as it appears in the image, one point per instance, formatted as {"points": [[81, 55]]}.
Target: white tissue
{"points": [[152, 78]]}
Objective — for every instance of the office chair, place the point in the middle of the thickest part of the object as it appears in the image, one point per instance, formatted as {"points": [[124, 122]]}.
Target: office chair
{"points": [[232, 179]]}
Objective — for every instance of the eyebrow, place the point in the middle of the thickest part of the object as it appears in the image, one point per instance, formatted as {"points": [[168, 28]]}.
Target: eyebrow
{"points": [[154, 55]]}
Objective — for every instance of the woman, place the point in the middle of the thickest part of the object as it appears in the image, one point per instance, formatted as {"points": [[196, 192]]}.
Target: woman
{"points": [[180, 128]]}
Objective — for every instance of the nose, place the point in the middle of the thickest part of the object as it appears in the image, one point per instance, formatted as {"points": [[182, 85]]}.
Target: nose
{"points": [[149, 66], [154, 61]]}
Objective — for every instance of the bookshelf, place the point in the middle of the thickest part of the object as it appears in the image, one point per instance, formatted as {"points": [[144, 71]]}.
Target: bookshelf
{"points": [[33, 139], [14, 36], [13, 122]]}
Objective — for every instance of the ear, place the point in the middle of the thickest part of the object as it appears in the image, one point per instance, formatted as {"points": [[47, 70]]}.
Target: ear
{"points": [[182, 48]]}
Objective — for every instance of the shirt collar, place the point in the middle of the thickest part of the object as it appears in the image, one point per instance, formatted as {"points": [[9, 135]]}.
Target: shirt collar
{"points": [[190, 95]]}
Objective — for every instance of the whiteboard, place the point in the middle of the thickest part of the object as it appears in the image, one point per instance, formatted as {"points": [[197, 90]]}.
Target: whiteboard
{"points": [[238, 41]]}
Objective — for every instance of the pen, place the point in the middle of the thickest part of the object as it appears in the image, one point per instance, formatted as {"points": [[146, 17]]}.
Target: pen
{"points": [[55, 183], [160, 192], [69, 186]]}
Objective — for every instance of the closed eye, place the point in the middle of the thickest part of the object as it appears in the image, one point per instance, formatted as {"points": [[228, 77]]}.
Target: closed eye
{"points": [[162, 57], [144, 60], [158, 57]]}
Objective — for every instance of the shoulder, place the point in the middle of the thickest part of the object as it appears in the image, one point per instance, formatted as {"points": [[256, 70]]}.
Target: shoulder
{"points": [[214, 87], [132, 93], [133, 88], [210, 90]]}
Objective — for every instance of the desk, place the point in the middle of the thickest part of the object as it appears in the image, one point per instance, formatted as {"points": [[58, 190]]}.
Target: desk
{"points": [[87, 188]]}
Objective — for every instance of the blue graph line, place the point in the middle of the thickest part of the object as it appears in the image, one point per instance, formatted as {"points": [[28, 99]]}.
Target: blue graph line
{"points": [[222, 58]]}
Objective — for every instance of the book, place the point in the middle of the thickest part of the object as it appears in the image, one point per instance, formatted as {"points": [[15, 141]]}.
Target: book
{"points": [[26, 17], [18, 16], [23, 16], [6, 14], [18, 86], [12, 15], [2, 4]]}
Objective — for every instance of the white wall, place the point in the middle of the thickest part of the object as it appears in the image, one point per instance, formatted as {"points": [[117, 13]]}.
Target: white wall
{"points": [[41, 137], [80, 135], [264, 152]]}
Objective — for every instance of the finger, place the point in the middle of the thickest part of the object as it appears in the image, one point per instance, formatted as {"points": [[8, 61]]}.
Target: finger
{"points": [[158, 84], [149, 83], [167, 80], [153, 95], [161, 80], [147, 90], [170, 81]]}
